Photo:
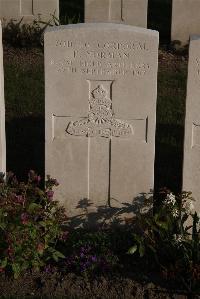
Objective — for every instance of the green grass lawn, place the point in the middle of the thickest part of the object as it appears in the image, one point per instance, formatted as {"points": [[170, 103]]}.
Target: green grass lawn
{"points": [[24, 99], [170, 122], [24, 94]]}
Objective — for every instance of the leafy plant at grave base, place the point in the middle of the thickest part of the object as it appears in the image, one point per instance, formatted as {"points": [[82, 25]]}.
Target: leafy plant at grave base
{"points": [[167, 239], [90, 253], [30, 224], [17, 34]]}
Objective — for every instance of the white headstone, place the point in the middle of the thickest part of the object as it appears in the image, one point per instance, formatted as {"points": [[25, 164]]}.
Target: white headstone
{"points": [[28, 9], [191, 165], [101, 88], [2, 111], [131, 12], [185, 20]]}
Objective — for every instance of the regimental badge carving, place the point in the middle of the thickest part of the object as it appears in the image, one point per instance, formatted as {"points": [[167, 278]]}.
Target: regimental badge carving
{"points": [[101, 121]]}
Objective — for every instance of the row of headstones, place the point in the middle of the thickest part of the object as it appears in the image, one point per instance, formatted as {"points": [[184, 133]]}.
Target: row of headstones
{"points": [[185, 13], [100, 115]]}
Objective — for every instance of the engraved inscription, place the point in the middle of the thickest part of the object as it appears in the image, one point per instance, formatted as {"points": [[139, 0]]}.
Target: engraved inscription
{"points": [[101, 120], [102, 58]]}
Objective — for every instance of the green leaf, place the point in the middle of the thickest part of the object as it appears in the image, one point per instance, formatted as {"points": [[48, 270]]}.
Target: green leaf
{"points": [[55, 257], [152, 248], [33, 233], [2, 226], [162, 224], [59, 254], [42, 223], [4, 263], [16, 269], [133, 249], [34, 206], [141, 250]]}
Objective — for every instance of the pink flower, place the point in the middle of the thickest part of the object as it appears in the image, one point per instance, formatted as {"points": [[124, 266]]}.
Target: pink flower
{"points": [[19, 199], [24, 218], [34, 177], [38, 179], [64, 236], [40, 248], [10, 251], [50, 194]]}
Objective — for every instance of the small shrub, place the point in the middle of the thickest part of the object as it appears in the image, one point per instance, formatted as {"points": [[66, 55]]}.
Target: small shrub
{"points": [[170, 239], [30, 224], [22, 35], [17, 34]]}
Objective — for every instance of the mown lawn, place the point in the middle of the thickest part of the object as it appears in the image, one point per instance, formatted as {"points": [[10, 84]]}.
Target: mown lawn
{"points": [[24, 99]]}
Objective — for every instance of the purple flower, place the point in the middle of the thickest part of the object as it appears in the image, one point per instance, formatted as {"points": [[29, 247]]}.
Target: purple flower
{"points": [[94, 258], [49, 269]]}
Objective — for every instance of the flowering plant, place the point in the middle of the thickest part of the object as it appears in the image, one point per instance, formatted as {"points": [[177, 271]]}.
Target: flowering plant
{"points": [[30, 224], [170, 239], [90, 253]]}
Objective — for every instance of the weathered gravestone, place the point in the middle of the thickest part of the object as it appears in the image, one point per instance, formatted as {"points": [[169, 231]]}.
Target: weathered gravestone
{"points": [[185, 20], [2, 111], [131, 12], [100, 112], [191, 165], [28, 9]]}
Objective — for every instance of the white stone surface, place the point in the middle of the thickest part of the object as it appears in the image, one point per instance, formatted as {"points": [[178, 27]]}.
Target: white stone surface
{"points": [[28, 9], [191, 165], [130, 12], [2, 111], [101, 88], [185, 20]]}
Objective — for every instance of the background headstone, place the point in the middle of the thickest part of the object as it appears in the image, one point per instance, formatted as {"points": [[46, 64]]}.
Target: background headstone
{"points": [[191, 165], [131, 12], [28, 9], [101, 88], [185, 20], [2, 111]]}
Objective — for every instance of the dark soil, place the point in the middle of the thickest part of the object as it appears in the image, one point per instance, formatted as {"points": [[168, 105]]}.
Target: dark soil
{"points": [[55, 285]]}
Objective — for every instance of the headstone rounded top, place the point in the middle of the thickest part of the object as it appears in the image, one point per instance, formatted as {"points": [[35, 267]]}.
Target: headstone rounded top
{"points": [[103, 26]]}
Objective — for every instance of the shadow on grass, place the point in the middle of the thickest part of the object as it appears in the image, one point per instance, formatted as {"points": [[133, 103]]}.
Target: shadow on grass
{"points": [[25, 143], [159, 18], [169, 157], [71, 11]]}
